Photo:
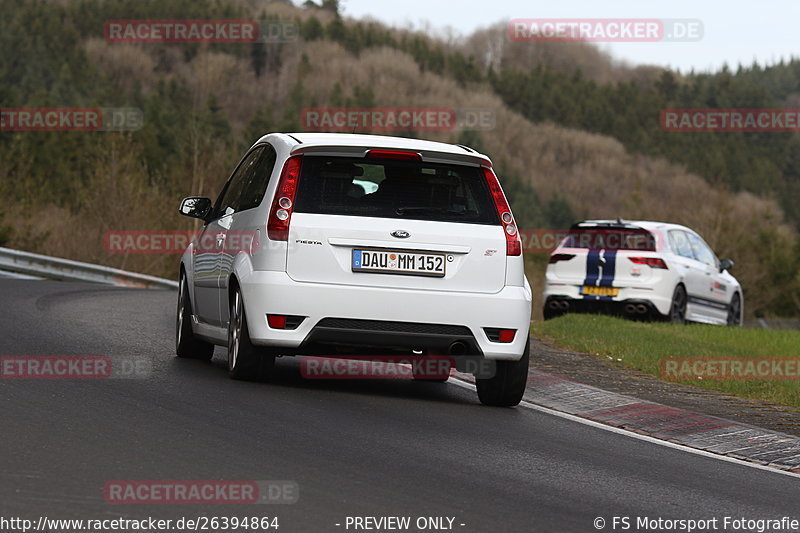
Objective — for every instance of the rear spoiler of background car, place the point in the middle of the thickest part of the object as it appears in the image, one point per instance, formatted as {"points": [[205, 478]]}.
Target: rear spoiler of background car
{"points": [[603, 234], [427, 156]]}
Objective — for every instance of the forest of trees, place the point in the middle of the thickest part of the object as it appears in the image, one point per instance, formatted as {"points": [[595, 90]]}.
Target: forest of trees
{"points": [[569, 120]]}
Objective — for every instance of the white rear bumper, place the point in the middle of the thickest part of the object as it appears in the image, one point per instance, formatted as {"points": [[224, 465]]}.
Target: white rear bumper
{"points": [[272, 292]]}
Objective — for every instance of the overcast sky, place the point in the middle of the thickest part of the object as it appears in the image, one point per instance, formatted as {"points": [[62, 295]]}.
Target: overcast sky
{"points": [[735, 31]]}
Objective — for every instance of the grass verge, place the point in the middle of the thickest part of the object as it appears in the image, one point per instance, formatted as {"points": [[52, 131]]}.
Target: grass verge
{"points": [[656, 348]]}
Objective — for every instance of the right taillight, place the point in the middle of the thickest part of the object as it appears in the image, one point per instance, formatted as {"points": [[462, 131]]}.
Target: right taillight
{"points": [[654, 262], [281, 213], [555, 258], [513, 244]]}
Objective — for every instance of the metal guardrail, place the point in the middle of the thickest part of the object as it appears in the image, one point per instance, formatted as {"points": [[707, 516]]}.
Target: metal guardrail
{"points": [[43, 266], [16, 275]]}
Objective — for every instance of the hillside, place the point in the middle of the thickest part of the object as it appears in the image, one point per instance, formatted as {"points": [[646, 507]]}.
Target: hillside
{"points": [[575, 132]]}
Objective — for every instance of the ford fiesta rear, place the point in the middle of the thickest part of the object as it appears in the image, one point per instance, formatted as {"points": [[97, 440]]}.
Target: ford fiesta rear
{"points": [[382, 246]]}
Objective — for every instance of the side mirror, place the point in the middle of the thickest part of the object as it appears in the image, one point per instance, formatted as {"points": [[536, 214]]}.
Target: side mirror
{"points": [[725, 264], [196, 207]]}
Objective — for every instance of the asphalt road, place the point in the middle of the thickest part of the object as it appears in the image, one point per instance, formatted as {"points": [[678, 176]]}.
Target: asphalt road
{"points": [[355, 448]]}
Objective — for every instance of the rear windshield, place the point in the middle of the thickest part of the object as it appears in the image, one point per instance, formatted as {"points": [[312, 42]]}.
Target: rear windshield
{"points": [[610, 238], [394, 189]]}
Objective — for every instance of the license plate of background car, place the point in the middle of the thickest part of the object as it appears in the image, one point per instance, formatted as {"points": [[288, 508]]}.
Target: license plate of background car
{"points": [[591, 290]]}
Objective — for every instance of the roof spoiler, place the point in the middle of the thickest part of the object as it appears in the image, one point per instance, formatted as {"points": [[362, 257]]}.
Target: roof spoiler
{"points": [[428, 156]]}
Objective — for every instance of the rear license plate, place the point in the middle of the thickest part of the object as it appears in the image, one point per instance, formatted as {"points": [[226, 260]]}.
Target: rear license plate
{"points": [[591, 290], [396, 262]]}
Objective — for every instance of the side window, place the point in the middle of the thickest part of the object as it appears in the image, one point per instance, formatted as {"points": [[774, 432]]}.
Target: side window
{"points": [[256, 184], [701, 250], [229, 201], [680, 244]]}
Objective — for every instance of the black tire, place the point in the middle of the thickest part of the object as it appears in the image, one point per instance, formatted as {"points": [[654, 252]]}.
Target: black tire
{"points": [[735, 311], [677, 310], [506, 387], [245, 361], [188, 346]]}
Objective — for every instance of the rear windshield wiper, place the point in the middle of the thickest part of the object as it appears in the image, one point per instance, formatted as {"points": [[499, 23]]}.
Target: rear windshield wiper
{"points": [[425, 209]]}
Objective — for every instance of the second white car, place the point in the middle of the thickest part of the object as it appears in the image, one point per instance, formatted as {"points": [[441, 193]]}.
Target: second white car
{"points": [[641, 270]]}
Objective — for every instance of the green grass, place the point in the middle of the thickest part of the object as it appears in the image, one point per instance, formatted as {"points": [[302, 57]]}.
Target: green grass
{"points": [[644, 345]]}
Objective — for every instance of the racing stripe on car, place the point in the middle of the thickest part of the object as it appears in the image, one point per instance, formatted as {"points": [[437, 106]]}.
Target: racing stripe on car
{"points": [[592, 272], [609, 271], [609, 268]]}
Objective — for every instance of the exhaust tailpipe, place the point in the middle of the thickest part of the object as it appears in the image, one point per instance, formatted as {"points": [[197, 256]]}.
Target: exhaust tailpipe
{"points": [[641, 309], [630, 309], [554, 304], [457, 348], [563, 304]]}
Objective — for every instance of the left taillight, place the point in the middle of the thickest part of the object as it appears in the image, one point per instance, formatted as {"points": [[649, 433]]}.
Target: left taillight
{"points": [[281, 213], [513, 244]]}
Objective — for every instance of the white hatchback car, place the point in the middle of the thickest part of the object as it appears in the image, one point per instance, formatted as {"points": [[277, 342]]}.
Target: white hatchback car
{"points": [[357, 244], [641, 270]]}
